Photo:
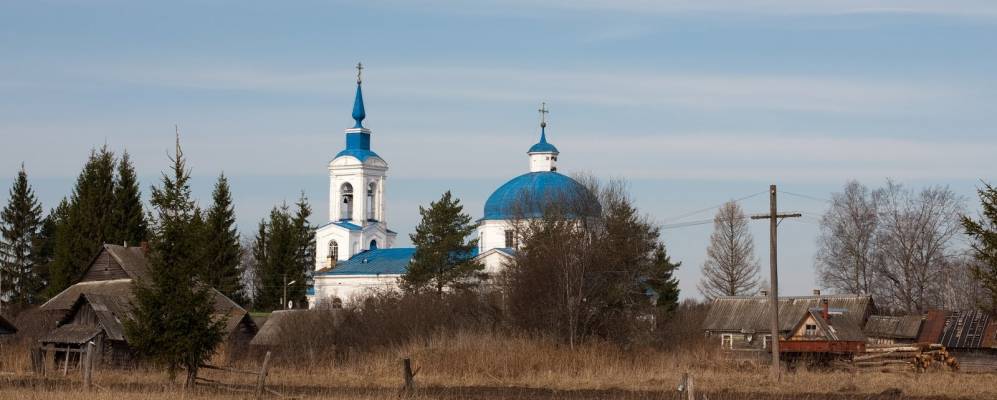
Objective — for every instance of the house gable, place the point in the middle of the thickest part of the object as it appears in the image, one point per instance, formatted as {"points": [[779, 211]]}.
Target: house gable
{"points": [[104, 268]]}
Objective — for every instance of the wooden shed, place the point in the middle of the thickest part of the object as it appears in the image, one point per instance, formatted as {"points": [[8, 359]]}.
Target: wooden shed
{"points": [[970, 336], [93, 309], [888, 329]]}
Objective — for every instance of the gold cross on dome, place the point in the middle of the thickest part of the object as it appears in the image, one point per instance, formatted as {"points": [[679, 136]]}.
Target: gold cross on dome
{"points": [[359, 70], [543, 114]]}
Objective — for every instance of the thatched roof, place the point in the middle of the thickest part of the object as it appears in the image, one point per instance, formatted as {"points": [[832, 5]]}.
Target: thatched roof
{"points": [[893, 327], [753, 314]]}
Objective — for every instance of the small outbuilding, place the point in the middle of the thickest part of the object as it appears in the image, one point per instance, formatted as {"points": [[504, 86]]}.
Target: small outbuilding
{"points": [[888, 329], [970, 336]]}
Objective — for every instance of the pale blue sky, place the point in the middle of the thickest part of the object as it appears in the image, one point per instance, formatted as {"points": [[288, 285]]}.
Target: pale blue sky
{"points": [[693, 103]]}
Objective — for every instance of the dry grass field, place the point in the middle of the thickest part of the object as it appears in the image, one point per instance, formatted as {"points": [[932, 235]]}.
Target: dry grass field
{"points": [[486, 366]]}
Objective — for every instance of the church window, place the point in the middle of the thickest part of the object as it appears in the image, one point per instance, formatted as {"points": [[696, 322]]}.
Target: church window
{"points": [[371, 216], [373, 245], [333, 252], [510, 239], [337, 302], [346, 207]]}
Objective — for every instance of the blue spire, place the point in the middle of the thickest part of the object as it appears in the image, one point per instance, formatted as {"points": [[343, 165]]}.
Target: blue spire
{"points": [[358, 111]]}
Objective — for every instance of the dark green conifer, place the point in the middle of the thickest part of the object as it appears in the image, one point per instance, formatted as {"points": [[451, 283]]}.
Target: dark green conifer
{"points": [[442, 256], [172, 323], [88, 223], [222, 250], [983, 233], [129, 217], [20, 222]]}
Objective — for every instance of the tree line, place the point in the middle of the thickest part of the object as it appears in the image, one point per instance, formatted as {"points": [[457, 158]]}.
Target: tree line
{"points": [[43, 253]]}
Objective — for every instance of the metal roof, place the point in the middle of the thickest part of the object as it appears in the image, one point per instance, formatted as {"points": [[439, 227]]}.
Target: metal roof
{"points": [[965, 329], [393, 261], [753, 314], [530, 194], [542, 146], [893, 327]]}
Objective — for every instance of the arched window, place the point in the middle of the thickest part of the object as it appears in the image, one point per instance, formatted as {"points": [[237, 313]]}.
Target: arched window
{"points": [[371, 215], [346, 206], [337, 302], [373, 245], [333, 252]]}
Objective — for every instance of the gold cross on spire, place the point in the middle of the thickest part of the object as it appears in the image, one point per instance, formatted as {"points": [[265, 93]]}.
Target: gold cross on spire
{"points": [[359, 70], [543, 114]]}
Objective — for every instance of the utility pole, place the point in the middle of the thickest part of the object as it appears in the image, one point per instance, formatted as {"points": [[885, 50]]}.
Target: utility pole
{"points": [[774, 216], [283, 299]]}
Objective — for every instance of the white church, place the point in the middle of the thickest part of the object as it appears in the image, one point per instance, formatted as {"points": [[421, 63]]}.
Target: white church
{"points": [[355, 250]]}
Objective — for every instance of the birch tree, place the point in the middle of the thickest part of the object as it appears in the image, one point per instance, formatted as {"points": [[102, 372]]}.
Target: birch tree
{"points": [[846, 247]]}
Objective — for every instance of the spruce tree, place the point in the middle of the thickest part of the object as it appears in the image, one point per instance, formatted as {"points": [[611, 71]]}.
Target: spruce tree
{"points": [[220, 244], [442, 256], [20, 222], [43, 249], [129, 218], [278, 258], [172, 324], [88, 223], [662, 281], [305, 254], [983, 233]]}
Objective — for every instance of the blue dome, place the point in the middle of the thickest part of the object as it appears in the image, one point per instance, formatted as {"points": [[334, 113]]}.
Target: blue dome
{"points": [[542, 147], [528, 195]]}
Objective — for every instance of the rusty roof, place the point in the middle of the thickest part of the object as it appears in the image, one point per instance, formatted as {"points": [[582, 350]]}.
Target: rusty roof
{"points": [[753, 314], [893, 327]]}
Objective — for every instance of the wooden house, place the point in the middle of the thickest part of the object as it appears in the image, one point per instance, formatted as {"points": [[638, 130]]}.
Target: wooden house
{"points": [[741, 324], [93, 309], [821, 331]]}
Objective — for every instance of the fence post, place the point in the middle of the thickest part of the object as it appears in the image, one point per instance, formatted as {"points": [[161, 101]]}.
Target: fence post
{"points": [[65, 362], [409, 377], [88, 367], [49, 366], [262, 379]]}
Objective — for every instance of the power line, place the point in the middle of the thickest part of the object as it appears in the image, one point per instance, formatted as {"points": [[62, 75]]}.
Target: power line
{"points": [[689, 214], [805, 196]]}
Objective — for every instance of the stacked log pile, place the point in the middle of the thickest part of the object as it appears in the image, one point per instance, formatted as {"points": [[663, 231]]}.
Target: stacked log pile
{"points": [[906, 357]]}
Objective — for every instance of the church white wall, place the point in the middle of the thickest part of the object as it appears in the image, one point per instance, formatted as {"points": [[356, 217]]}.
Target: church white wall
{"points": [[347, 288], [491, 234], [543, 162], [494, 262]]}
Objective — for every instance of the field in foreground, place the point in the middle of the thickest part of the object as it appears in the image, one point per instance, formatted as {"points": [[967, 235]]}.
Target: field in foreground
{"points": [[484, 366]]}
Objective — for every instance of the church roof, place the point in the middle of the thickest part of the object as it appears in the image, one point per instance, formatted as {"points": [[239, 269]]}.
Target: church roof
{"points": [[344, 224], [359, 154], [528, 195], [392, 261]]}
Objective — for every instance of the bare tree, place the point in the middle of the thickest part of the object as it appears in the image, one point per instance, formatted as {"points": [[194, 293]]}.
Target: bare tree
{"points": [[846, 247], [731, 268], [915, 244]]}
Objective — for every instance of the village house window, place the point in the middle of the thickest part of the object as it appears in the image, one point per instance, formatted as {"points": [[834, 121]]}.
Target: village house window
{"points": [[510, 239], [766, 341], [727, 342], [810, 330]]}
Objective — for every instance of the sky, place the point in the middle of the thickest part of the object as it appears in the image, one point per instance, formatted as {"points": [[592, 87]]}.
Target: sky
{"points": [[693, 103]]}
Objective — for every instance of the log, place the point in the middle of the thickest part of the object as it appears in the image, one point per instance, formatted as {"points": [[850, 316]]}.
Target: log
{"points": [[261, 381], [892, 349]]}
